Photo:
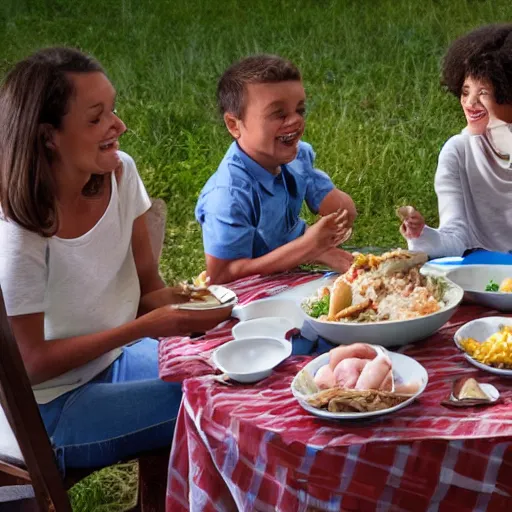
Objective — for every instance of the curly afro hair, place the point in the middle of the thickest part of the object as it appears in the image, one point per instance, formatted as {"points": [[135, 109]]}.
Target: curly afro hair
{"points": [[483, 54]]}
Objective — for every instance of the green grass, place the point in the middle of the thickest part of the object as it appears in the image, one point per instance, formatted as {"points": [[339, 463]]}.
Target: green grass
{"points": [[112, 489], [377, 115]]}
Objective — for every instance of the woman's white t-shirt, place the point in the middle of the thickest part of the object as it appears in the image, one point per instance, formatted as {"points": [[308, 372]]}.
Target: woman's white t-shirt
{"points": [[474, 192], [82, 285]]}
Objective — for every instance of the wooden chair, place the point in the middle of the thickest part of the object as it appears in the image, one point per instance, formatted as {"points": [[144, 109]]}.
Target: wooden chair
{"points": [[27, 464]]}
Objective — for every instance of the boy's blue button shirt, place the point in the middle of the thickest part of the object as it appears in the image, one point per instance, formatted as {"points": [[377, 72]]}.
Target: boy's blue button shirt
{"points": [[246, 212]]}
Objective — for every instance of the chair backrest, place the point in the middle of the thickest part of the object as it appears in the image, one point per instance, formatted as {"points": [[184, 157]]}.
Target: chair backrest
{"points": [[20, 407], [155, 219]]}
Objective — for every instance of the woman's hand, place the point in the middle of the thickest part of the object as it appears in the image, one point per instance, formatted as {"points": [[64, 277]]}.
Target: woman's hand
{"points": [[412, 222], [171, 321], [163, 297]]}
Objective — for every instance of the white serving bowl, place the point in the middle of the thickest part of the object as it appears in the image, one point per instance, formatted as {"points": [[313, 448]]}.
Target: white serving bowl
{"points": [[405, 370], [273, 326], [474, 278], [251, 359], [480, 330], [389, 333]]}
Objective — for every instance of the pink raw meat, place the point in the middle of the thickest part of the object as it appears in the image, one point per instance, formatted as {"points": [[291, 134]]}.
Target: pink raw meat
{"points": [[347, 372], [324, 377], [356, 350], [374, 373]]}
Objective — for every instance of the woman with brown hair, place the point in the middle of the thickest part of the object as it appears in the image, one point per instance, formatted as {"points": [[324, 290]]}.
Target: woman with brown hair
{"points": [[77, 271]]}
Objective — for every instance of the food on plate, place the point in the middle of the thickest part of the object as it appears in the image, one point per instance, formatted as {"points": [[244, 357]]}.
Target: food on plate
{"points": [[198, 291], [354, 310], [505, 286], [341, 400], [495, 351], [468, 388], [324, 378], [492, 286], [376, 288], [341, 297], [358, 366], [467, 392], [357, 378], [376, 374], [355, 350]]}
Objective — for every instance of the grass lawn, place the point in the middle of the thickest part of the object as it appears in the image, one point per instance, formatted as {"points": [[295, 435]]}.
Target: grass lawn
{"points": [[377, 116]]}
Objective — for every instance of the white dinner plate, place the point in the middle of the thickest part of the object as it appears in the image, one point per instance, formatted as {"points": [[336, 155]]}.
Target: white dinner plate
{"points": [[480, 330], [405, 369]]}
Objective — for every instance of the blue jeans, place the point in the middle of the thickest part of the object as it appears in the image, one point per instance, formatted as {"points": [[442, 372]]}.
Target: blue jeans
{"points": [[125, 410]]}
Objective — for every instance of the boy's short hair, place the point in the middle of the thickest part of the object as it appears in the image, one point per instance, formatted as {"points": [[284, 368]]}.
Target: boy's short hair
{"points": [[484, 54], [256, 69]]}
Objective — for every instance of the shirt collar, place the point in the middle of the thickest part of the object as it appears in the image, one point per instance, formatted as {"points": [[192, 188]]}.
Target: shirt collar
{"points": [[261, 175]]}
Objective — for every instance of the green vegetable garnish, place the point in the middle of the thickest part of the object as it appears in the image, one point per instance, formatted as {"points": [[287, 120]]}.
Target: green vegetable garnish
{"points": [[492, 286], [321, 307]]}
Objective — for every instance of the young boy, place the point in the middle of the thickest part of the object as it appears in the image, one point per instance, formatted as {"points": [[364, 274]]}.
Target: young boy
{"points": [[249, 209]]}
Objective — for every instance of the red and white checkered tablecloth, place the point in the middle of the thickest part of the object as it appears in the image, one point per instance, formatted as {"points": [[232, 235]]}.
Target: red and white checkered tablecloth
{"points": [[252, 447]]}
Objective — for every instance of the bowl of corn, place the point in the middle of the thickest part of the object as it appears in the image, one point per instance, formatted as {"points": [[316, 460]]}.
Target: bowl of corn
{"points": [[487, 344]]}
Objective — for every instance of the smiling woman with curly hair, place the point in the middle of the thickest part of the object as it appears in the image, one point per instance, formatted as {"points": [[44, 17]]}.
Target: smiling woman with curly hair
{"points": [[473, 181]]}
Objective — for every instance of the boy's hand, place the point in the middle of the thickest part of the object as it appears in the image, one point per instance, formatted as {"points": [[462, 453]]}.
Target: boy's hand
{"points": [[328, 232], [412, 222], [336, 259]]}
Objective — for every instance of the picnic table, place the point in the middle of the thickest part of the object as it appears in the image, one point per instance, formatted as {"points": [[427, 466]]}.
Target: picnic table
{"points": [[253, 448]]}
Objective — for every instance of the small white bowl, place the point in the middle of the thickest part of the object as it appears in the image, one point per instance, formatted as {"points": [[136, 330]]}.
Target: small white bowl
{"points": [[273, 326], [251, 359], [271, 307]]}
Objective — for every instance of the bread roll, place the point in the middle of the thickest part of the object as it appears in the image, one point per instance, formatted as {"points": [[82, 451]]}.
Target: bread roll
{"points": [[341, 298]]}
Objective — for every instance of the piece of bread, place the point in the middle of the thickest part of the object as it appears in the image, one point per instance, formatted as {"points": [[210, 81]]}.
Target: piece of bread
{"points": [[400, 261], [341, 298], [353, 310], [404, 211]]}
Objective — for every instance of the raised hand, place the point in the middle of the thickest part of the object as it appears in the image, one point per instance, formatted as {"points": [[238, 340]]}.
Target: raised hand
{"points": [[412, 222]]}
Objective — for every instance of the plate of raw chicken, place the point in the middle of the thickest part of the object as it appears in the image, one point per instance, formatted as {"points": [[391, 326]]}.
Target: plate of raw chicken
{"points": [[358, 381], [385, 300]]}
